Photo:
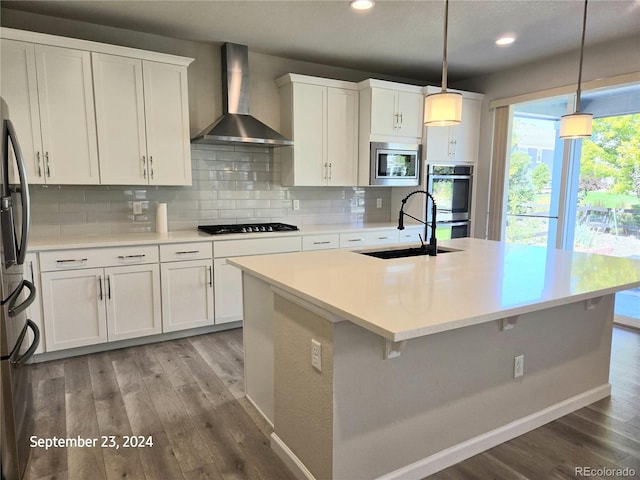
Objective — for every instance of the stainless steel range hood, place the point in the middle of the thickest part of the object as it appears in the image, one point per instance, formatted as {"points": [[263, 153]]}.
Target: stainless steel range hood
{"points": [[236, 126]]}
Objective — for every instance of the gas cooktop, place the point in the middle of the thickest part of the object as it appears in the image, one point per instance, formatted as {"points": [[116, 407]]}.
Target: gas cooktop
{"points": [[247, 228]]}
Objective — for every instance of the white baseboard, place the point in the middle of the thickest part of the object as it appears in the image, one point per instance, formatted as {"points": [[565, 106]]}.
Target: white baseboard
{"points": [[290, 459], [258, 410], [450, 456]]}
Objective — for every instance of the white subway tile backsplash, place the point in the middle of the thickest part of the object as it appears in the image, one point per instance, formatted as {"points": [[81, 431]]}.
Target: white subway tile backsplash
{"points": [[230, 185]]}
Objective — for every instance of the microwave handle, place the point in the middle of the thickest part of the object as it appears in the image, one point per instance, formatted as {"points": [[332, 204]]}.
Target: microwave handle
{"points": [[23, 189]]}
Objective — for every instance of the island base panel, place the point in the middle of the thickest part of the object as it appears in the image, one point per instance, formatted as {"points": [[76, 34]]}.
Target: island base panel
{"points": [[447, 394]]}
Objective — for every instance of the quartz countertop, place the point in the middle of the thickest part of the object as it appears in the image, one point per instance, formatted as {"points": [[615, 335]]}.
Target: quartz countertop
{"points": [[120, 239], [405, 298]]}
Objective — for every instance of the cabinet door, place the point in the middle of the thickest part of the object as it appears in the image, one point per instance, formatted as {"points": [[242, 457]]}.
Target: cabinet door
{"points": [[120, 119], [410, 109], [67, 115], [384, 115], [133, 301], [227, 282], [342, 136], [167, 123], [34, 312], [438, 144], [18, 87], [73, 304], [466, 136], [309, 134], [187, 294]]}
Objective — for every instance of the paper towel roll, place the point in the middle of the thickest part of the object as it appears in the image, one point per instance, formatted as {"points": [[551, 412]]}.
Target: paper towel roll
{"points": [[161, 218]]}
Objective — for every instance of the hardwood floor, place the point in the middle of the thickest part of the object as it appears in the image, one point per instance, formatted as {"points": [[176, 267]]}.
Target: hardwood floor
{"points": [[187, 395]]}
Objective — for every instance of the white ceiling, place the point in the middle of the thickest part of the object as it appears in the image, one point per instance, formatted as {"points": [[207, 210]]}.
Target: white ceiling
{"points": [[400, 38]]}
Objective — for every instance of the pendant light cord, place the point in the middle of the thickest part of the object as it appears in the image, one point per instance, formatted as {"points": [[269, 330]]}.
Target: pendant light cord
{"points": [[584, 27], [444, 50]]}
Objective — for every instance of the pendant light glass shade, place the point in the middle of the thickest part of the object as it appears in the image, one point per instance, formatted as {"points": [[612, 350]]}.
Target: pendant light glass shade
{"points": [[443, 108], [576, 125]]}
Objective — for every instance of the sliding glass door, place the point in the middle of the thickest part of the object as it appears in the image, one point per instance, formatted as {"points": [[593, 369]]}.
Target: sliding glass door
{"points": [[582, 195]]}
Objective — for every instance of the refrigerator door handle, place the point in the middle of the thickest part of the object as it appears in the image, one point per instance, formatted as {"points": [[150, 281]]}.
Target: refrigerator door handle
{"points": [[14, 310], [34, 344], [23, 190]]}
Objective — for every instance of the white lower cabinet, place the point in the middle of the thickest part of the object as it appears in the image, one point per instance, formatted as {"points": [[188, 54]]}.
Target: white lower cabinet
{"points": [[228, 291], [73, 302], [116, 297], [187, 294]]}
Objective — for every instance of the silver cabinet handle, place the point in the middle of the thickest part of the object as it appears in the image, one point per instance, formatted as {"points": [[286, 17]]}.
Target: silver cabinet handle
{"points": [[210, 276], [33, 278], [46, 161], [100, 287], [144, 167], [39, 165], [383, 238], [325, 174], [72, 260], [400, 119], [125, 257], [151, 166], [188, 252], [355, 240], [323, 243], [330, 171], [109, 287]]}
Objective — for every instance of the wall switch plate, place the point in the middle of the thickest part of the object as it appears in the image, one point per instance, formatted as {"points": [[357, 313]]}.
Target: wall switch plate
{"points": [[316, 355], [296, 204], [137, 208], [518, 366], [378, 203]]}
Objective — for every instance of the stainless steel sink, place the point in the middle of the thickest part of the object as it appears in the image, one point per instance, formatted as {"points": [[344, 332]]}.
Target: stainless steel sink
{"points": [[402, 252]]}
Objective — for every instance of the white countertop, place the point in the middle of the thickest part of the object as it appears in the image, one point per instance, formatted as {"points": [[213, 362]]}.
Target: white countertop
{"points": [[121, 239], [405, 298]]}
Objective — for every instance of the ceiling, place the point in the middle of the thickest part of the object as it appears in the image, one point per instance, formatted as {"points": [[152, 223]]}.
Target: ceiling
{"points": [[399, 38]]}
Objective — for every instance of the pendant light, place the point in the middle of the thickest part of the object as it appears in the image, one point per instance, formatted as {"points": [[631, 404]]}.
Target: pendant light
{"points": [[577, 124], [443, 108]]}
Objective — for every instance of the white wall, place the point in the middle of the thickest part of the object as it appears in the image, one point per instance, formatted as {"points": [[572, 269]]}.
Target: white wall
{"points": [[602, 61]]}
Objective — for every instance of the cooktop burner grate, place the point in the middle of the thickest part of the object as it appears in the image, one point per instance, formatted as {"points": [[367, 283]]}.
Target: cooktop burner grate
{"points": [[246, 228]]}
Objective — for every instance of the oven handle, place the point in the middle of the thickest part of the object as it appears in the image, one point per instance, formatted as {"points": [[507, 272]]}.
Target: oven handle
{"points": [[450, 177], [34, 344]]}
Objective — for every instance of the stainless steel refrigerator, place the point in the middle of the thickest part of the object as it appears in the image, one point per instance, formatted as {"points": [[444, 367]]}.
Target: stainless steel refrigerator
{"points": [[16, 294]]}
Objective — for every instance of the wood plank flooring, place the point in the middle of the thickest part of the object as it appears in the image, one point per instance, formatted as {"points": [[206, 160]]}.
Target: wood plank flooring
{"points": [[187, 395]]}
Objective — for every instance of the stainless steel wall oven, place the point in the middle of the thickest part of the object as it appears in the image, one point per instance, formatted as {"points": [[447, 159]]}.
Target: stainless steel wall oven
{"points": [[452, 187]]}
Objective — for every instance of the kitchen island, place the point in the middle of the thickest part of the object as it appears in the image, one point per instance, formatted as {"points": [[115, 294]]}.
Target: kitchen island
{"points": [[417, 355]]}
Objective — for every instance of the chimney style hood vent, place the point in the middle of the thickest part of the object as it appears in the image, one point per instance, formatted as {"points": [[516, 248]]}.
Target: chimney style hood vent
{"points": [[236, 126]]}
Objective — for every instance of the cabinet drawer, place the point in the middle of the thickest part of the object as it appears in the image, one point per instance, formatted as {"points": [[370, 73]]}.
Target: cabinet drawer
{"points": [[185, 251], [411, 235], [364, 238], [256, 246], [320, 242], [97, 257]]}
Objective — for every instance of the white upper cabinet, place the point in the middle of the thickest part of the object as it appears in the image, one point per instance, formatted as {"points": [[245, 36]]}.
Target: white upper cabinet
{"points": [[89, 113], [459, 143], [390, 112], [321, 116], [167, 119], [52, 108], [143, 122]]}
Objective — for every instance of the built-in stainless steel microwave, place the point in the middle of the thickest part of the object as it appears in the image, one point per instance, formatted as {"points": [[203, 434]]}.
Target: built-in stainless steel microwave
{"points": [[395, 164]]}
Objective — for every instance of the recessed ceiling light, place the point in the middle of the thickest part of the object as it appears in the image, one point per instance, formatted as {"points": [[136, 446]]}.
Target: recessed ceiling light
{"points": [[362, 4], [505, 40]]}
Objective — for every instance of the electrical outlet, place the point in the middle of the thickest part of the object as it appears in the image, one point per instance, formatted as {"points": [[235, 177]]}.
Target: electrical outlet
{"points": [[378, 203], [296, 204], [316, 355], [518, 366], [137, 208]]}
